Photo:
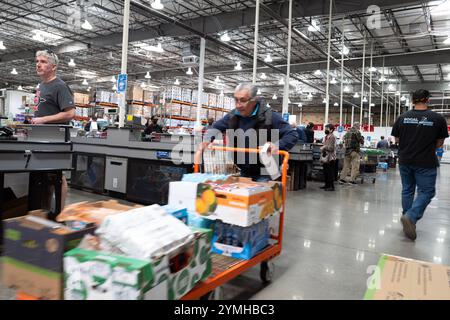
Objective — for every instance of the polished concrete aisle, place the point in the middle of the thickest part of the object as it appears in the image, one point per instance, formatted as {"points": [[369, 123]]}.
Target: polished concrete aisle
{"points": [[331, 238]]}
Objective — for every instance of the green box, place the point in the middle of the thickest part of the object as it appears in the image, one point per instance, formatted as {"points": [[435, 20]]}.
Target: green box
{"points": [[93, 275]]}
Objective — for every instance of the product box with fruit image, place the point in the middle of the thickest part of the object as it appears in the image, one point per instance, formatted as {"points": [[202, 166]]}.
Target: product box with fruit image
{"points": [[239, 201], [94, 275], [240, 242]]}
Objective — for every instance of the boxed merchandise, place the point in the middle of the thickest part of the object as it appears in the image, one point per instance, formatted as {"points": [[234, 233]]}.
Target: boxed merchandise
{"points": [[198, 221], [194, 112], [148, 97], [80, 98], [204, 114], [219, 115], [240, 242], [212, 100], [114, 98], [178, 212], [220, 101], [135, 93], [173, 93], [239, 201], [92, 212], [102, 96], [205, 99], [186, 111], [186, 95], [194, 97], [33, 256], [102, 276], [397, 278]]}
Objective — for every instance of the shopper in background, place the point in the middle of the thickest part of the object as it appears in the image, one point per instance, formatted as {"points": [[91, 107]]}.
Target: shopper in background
{"points": [[309, 131], [300, 132], [382, 144], [328, 157], [54, 98], [352, 144], [250, 113], [55, 102], [418, 132], [439, 154], [91, 125], [153, 126]]}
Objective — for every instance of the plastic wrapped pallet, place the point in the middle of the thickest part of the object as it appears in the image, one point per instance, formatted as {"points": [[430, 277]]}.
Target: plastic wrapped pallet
{"points": [[204, 114], [205, 98], [186, 111], [212, 100], [173, 93], [220, 101], [186, 95], [194, 96], [194, 112]]}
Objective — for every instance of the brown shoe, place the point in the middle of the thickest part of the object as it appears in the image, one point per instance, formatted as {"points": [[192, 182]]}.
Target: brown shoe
{"points": [[409, 228]]}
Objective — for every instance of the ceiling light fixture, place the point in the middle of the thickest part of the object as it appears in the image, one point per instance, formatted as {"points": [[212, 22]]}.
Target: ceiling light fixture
{"points": [[268, 58], [85, 83], [20, 88], [310, 96], [86, 25], [177, 82], [314, 27], [225, 37], [300, 105], [281, 82], [447, 41], [364, 100], [114, 87], [318, 73], [397, 93], [38, 37], [333, 81], [274, 97], [14, 71], [142, 84], [2, 46], [217, 80], [268, 105], [221, 93], [336, 104], [324, 100], [157, 5], [72, 63], [356, 95], [391, 87], [345, 51], [88, 89], [346, 89], [238, 66], [259, 92], [113, 79], [263, 76], [147, 75], [373, 69], [403, 98], [189, 72], [382, 79]]}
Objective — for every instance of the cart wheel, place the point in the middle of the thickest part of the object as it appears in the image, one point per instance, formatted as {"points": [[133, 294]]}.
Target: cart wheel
{"points": [[216, 294], [266, 272]]}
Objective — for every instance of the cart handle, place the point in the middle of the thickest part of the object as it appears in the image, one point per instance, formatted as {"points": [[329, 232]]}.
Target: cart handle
{"points": [[284, 169]]}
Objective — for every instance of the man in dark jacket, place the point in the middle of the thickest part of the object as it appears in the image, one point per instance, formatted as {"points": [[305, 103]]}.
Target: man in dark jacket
{"points": [[252, 125], [309, 131]]}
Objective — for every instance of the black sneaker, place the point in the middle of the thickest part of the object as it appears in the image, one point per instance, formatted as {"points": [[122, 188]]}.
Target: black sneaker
{"points": [[352, 182], [409, 228], [342, 181]]}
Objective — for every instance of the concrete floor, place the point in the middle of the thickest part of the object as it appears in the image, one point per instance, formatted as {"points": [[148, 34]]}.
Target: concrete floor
{"points": [[331, 238]]}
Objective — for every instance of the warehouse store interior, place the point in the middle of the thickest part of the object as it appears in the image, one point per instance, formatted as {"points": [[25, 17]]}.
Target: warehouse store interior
{"points": [[127, 166]]}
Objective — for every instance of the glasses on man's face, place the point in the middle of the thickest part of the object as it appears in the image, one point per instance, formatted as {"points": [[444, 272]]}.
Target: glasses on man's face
{"points": [[242, 100]]}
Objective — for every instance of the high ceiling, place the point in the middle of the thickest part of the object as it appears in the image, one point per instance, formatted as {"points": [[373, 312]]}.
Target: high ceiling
{"points": [[409, 41]]}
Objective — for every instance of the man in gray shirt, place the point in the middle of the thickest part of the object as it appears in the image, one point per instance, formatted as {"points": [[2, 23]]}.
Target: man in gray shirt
{"points": [[54, 99]]}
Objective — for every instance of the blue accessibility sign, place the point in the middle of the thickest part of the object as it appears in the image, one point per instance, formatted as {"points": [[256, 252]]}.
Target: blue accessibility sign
{"points": [[122, 83], [341, 129], [286, 117]]}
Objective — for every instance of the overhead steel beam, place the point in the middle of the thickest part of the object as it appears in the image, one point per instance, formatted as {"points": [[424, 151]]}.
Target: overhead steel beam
{"points": [[223, 21]]}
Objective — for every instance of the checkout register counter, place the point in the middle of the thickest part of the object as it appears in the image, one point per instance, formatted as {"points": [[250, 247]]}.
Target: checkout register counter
{"points": [[42, 151], [122, 165]]}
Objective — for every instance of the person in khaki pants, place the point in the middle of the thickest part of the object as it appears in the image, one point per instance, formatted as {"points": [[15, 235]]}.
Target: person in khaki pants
{"points": [[352, 143]]}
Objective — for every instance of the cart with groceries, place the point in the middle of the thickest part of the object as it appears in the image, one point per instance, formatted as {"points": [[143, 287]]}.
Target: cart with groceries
{"points": [[216, 226], [370, 161]]}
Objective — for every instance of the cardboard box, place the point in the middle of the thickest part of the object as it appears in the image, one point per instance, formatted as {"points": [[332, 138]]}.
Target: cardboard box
{"points": [[34, 249], [92, 212], [94, 275], [240, 201], [212, 100], [148, 97], [135, 93], [240, 242], [186, 95], [397, 278], [81, 98]]}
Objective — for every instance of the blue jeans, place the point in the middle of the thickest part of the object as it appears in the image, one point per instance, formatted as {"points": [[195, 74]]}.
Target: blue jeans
{"points": [[425, 181]]}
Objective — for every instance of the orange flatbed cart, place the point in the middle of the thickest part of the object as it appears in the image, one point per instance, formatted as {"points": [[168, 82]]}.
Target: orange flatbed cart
{"points": [[225, 268]]}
